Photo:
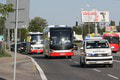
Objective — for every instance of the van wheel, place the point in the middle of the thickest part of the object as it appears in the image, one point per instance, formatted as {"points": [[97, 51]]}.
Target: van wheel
{"points": [[83, 64], [110, 65], [48, 57]]}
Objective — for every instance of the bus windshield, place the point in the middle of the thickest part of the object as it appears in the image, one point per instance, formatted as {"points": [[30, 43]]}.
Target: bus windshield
{"points": [[36, 38], [59, 37], [96, 44], [112, 39]]}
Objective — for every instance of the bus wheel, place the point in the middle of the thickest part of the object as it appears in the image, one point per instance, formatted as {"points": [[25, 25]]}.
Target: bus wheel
{"points": [[69, 57], [48, 57]]}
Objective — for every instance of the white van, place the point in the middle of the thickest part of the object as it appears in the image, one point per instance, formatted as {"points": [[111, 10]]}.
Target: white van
{"points": [[96, 51]]}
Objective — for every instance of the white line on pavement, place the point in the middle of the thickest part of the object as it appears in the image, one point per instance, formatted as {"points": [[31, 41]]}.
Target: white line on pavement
{"points": [[113, 76], [41, 73], [97, 70]]}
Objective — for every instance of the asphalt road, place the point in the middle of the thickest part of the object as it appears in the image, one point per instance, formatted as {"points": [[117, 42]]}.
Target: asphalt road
{"points": [[70, 69]]}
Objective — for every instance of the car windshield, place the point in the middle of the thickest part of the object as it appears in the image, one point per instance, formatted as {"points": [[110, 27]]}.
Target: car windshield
{"points": [[97, 44], [112, 39]]}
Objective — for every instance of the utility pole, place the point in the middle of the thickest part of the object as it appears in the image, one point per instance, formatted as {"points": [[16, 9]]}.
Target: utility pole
{"points": [[16, 25], [96, 30]]}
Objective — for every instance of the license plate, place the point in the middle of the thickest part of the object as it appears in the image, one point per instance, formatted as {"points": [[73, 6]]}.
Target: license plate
{"points": [[99, 62]]}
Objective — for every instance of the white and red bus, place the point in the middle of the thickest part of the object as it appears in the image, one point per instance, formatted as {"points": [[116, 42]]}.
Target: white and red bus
{"points": [[113, 39], [58, 41], [35, 42]]}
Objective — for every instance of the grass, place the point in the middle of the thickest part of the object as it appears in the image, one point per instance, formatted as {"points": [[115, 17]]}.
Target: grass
{"points": [[4, 54]]}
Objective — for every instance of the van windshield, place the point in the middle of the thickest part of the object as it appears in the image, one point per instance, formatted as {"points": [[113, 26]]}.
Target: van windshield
{"points": [[97, 44]]}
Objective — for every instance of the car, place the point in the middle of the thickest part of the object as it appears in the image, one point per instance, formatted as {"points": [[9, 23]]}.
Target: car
{"points": [[96, 51], [12, 47], [23, 47]]}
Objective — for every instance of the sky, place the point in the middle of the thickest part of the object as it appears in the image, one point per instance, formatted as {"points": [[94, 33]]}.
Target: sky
{"points": [[69, 11]]}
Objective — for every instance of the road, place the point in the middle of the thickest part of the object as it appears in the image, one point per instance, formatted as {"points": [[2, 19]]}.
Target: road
{"points": [[70, 69]]}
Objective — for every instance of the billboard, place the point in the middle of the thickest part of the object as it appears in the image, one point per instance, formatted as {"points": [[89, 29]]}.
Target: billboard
{"points": [[95, 16], [111, 28], [23, 14]]}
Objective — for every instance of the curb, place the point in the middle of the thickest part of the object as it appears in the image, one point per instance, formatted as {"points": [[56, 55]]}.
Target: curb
{"points": [[41, 72]]}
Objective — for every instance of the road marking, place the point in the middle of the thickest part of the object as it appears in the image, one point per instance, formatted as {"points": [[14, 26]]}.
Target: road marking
{"points": [[41, 73], [76, 62], [113, 76], [97, 70], [116, 61]]}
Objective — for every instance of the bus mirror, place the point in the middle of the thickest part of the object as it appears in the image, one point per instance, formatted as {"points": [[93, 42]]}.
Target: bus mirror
{"points": [[75, 47]]}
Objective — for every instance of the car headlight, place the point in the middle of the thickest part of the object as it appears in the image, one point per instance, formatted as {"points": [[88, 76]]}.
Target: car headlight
{"points": [[88, 54]]}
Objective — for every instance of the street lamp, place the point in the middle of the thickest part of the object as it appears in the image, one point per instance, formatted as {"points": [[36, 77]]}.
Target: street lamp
{"points": [[96, 30], [82, 24], [88, 22]]}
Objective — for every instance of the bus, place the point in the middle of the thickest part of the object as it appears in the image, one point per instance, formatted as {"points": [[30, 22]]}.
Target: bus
{"points": [[34, 42], [58, 41], [113, 39]]}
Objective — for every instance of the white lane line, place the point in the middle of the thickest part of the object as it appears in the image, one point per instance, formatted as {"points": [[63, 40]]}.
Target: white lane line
{"points": [[116, 61], [113, 76], [97, 70], [41, 73], [76, 62]]}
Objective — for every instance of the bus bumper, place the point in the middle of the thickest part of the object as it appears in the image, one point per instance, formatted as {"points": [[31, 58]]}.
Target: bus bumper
{"points": [[37, 51], [62, 54]]}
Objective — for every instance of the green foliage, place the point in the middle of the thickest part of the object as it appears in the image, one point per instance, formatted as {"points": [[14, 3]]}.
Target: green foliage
{"points": [[2, 24], [112, 23], [77, 29], [24, 32], [4, 54], [118, 28], [37, 24]]}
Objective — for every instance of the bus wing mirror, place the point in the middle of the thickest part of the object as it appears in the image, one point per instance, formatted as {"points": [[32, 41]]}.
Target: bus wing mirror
{"points": [[75, 47]]}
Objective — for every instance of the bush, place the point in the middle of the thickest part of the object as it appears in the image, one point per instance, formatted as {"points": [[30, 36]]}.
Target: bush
{"points": [[4, 54]]}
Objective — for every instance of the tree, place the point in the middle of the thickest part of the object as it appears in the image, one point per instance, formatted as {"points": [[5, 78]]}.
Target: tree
{"points": [[4, 10], [37, 24], [112, 23]]}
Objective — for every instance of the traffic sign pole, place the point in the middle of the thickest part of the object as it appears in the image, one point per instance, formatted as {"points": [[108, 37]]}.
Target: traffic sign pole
{"points": [[16, 24]]}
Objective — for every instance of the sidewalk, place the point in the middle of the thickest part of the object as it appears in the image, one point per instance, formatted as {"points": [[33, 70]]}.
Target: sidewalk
{"points": [[26, 70]]}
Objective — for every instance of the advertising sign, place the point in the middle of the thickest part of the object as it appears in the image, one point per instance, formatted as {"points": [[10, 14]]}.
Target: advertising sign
{"points": [[95, 16], [111, 28]]}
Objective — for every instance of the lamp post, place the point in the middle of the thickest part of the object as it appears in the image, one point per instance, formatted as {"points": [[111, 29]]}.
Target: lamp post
{"points": [[96, 30], [82, 24]]}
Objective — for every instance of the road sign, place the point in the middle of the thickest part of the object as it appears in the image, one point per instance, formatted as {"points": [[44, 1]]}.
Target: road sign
{"points": [[23, 14]]}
